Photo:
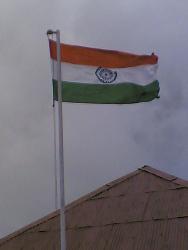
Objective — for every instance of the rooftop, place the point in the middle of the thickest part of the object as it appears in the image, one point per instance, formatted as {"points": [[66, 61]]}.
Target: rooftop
{"points": [[146, 209]]}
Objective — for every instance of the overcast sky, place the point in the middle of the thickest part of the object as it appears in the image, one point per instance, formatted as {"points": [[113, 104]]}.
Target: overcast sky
{"points": [[101, 142]]}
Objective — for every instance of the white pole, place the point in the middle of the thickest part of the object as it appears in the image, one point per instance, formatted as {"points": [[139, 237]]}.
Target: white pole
{"points": [[55, 156], [61, 156], [60, 128]]}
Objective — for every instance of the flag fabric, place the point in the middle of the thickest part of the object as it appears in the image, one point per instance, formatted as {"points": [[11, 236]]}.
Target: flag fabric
{"points": [[91, 75]]}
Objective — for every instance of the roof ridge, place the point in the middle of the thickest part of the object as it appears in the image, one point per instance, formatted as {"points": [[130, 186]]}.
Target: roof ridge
{"points": [[165, 175], [158, 173], [102, 189]]}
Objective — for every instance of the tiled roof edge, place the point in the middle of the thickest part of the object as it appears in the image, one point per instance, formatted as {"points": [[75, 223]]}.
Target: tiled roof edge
{"points": [[166, 176], [29, 227], [69, 206], [158, 173], [102, 189]]}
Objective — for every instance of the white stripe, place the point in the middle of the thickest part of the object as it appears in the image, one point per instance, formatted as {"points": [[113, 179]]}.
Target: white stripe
{"points": [[144, 74]]}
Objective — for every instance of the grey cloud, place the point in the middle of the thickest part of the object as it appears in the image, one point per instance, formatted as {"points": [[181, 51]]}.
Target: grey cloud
{"points": [[101, 142]]}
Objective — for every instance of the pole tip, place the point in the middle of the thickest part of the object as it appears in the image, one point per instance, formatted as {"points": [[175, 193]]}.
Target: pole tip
{"points": [[50, 32]]}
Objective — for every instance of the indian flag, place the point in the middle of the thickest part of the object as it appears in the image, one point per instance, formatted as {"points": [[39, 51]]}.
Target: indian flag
{"points": [[91, 75]]}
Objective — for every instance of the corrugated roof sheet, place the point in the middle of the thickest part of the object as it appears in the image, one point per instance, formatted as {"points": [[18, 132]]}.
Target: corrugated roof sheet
{"points": [[147, 209]]}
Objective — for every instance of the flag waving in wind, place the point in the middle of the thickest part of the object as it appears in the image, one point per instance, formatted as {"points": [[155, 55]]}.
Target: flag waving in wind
{"points": [[92, 75]]}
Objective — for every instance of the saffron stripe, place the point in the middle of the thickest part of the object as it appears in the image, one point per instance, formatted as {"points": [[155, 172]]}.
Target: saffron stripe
{"points": [[123, 93], [100, 57]]}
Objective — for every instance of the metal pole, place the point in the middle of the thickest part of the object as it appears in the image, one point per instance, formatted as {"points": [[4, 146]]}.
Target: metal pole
{"points": [[60, 128], [61, 155], [55, 157]]}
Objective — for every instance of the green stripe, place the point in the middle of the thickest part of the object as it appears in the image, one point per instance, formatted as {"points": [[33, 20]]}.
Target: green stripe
{"points": [[122, 93]]}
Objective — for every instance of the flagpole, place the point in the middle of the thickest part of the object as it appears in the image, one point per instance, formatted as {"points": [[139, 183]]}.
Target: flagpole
{"points": [[61, 154]]}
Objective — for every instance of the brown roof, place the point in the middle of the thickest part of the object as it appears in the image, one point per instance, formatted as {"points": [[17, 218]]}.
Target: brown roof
{"points": [[147, 209]]}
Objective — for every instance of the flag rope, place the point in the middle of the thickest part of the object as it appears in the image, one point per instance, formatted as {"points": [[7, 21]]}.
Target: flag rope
{"points": [[55, 136]]}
